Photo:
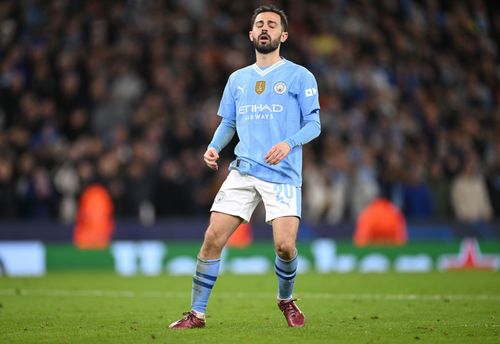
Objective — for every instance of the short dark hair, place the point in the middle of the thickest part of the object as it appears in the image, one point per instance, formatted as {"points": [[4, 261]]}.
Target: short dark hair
{"points": [[274, 9]]}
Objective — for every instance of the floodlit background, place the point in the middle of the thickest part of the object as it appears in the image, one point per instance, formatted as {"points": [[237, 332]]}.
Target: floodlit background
{"points": [[123, 95]]}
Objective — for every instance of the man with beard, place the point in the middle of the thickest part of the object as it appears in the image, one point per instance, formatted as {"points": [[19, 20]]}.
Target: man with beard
{"points": [[273, 106]]}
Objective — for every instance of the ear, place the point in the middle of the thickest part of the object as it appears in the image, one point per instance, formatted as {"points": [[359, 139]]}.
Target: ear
{"points": [[284, 37], [250, 36]]}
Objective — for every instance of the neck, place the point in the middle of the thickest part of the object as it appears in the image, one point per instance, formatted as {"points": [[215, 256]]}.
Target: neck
{"points": [[266, 60]]}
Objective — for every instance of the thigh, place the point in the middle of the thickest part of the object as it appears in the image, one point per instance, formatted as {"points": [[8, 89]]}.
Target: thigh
{"points": [[219, 230], [237, 196], [279, 199]]}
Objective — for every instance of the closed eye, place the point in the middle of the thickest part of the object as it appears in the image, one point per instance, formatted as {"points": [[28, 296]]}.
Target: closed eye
{"points": [[270, 23]]}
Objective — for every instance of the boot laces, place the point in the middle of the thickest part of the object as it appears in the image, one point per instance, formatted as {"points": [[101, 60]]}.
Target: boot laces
{"points": [[290, 307], [187, 315]]}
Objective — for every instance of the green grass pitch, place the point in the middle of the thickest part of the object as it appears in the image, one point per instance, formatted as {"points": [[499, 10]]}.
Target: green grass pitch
{"points": [[101, 307]]}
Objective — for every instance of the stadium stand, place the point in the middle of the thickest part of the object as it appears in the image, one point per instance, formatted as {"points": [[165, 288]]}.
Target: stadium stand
{"points": [[125, 93]]}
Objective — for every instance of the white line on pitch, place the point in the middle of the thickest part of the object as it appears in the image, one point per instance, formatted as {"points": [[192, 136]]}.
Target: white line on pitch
{"points": [[305, 295]]}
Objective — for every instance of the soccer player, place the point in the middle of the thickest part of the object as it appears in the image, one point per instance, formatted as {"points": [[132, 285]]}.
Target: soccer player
{"points": [[273, 106]]}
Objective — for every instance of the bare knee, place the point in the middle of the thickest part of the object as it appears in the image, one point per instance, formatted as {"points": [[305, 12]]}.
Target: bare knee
{"points": [[285, 250], [213, 244]]}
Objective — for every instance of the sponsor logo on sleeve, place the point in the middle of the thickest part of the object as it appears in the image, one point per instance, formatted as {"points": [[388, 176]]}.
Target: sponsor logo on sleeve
{"points": [[311, 91]]}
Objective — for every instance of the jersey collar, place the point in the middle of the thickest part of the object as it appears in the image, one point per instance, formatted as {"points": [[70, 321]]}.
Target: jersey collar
{"points": [[268, 69]]}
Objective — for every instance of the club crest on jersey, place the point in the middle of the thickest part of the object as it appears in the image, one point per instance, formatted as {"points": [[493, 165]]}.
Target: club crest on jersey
{"points": [[220, 197], [260, 87], [280, 87]]}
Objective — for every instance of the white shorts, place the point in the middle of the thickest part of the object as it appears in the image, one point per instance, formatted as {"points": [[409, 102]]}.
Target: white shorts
{"points": [[240, 194]]}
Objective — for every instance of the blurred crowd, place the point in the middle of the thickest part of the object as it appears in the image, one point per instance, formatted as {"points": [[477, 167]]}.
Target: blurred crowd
{"points": [[125, 94]]}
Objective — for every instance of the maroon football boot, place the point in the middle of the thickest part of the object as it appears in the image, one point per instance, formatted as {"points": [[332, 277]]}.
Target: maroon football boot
{"points": [[189, 320], [294, 316]]}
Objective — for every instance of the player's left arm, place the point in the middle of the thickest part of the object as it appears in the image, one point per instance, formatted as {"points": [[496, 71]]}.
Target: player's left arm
{"points": [[307, 133], [311, 126]]}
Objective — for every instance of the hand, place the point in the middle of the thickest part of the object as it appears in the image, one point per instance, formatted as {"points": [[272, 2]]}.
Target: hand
{"points": [[277, 153], [211, 156]]}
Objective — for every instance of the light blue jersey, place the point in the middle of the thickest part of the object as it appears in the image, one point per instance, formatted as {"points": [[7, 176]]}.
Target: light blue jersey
{"points": [[267, 106]]}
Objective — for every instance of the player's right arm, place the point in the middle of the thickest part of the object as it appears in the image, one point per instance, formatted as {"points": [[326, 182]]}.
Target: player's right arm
{"points": [[211, 156], [226, 129], [222, 136]]}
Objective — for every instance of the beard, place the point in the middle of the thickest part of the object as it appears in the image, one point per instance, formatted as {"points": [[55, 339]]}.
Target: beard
{"points": [[267, 48]]}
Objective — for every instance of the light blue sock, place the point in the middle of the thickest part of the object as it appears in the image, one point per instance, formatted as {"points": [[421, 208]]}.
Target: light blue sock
{"points": [[203, 282], [286, 271]]}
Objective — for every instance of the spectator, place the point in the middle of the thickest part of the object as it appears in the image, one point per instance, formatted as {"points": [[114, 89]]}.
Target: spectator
{"points": [[469, 194], [8, 206], [440, 189], [417, 197], [364, 184], [89, 78]]}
